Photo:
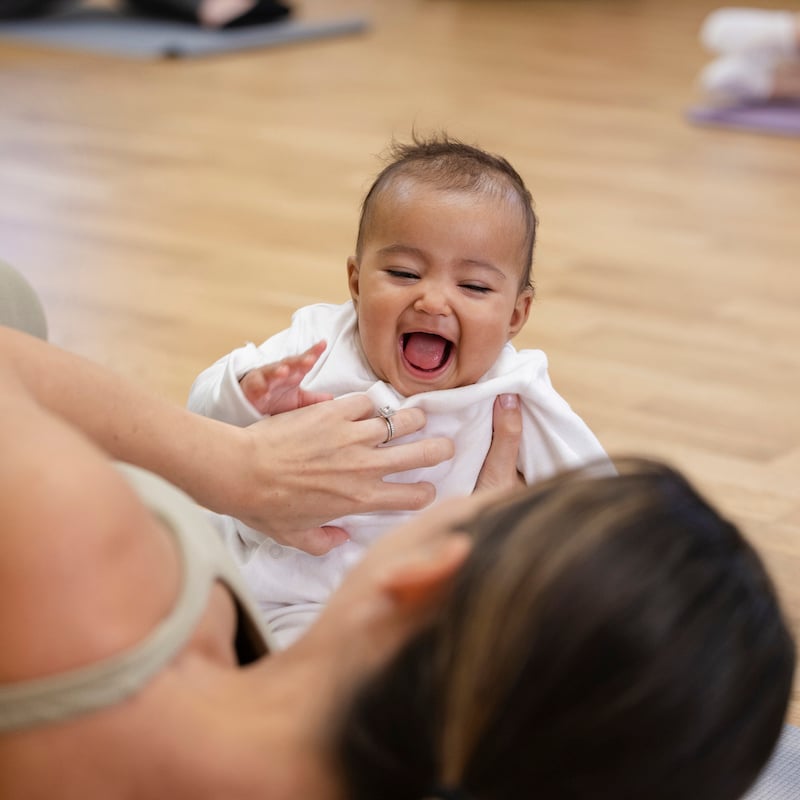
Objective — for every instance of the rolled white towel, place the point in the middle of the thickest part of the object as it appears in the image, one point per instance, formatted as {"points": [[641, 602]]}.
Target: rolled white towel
{"points": [[751, 30], [739, 77]]}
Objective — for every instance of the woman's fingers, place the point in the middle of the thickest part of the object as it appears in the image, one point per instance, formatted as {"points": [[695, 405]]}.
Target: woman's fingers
{"points": [[316, 541], [324, 461], [499, 469]]}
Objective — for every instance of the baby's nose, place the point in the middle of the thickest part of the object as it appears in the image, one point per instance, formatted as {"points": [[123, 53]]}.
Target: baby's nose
{"points": [[433, 300]]}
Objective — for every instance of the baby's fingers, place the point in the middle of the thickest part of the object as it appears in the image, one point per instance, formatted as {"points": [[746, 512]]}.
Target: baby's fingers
{"points": [[304, 361]]}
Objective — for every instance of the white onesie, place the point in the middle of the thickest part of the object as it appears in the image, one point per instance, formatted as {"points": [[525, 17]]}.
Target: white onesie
{"points": [[291, 586]]}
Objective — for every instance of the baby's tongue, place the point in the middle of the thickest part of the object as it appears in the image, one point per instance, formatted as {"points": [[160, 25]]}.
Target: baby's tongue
{"points": [[425, 350]]}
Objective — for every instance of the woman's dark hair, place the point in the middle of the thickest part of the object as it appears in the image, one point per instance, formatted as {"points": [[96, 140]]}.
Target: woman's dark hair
{"points": [[451, 165], [24, 8], [610, 637]]}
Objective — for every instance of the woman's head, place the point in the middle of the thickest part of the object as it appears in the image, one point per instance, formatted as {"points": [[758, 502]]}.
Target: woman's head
{"points": [[610, 636]]}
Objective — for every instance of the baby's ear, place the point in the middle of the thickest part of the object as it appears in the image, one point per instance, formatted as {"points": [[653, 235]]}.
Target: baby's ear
{"points": [[522, 308], [352, 278], [417, 581]]}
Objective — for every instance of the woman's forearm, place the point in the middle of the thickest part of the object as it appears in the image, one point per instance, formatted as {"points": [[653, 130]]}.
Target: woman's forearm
{"points": [[127, 421], [282, 475]]}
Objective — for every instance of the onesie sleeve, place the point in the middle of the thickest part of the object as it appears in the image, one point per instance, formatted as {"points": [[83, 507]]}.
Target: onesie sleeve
{"points": [[216, 392]]}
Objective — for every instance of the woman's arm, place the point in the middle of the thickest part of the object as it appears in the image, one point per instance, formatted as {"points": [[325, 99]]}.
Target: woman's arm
{"points": [[282, 475]]}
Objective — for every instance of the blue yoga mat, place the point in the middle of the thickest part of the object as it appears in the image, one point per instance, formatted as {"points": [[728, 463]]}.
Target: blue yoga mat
{"points": [[134, 36]]}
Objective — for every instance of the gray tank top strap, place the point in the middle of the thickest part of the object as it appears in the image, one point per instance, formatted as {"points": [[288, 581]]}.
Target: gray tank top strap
{"points": [[105, 683], [20, 306]]}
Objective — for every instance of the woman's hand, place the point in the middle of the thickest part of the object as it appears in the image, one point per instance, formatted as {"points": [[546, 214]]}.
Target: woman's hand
{"points": [[322, 462], [282, 475], [499, 471]]}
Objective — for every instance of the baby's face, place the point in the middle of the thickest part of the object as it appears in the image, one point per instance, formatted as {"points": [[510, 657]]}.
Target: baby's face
{"points": [[437, 287]]}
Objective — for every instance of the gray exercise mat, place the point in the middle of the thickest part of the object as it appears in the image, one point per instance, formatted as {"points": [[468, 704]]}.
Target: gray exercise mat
{"points": [[130, 35], [781, 777]]}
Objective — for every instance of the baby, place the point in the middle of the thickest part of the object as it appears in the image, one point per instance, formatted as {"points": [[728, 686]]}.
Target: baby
{"points": [[440, 284]]}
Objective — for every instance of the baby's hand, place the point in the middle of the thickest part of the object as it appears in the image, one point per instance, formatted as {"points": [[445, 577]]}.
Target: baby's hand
{"points": [[275, 388]]}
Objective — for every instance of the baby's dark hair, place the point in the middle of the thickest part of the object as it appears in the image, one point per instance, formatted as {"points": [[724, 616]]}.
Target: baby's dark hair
{"points": [[611, 637], [452, 165]]}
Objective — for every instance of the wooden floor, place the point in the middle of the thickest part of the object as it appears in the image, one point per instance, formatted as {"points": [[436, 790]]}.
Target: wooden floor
{"points": [[168, 212]]}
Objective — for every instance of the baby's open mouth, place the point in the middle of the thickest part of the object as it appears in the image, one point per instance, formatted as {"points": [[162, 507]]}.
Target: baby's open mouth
{"points": [[426, 352]]}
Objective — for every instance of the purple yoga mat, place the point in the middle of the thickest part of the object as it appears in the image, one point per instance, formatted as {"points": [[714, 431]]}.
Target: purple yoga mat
{"points": [[781, 118]]}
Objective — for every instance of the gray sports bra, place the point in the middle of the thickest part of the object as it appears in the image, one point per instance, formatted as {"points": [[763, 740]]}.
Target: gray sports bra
{"points": [[204, 560]]}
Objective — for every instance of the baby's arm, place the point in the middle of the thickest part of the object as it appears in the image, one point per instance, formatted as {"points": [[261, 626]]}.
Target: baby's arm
{"points": [[217, 391], [275, 388]]}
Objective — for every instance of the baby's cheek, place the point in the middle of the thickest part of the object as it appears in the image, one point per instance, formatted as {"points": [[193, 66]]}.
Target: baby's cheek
{"points": [[479, 353]]}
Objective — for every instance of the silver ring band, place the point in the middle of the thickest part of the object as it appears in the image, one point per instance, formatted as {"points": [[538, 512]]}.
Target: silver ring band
{"points": [[386, 414], [389, 429]]}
